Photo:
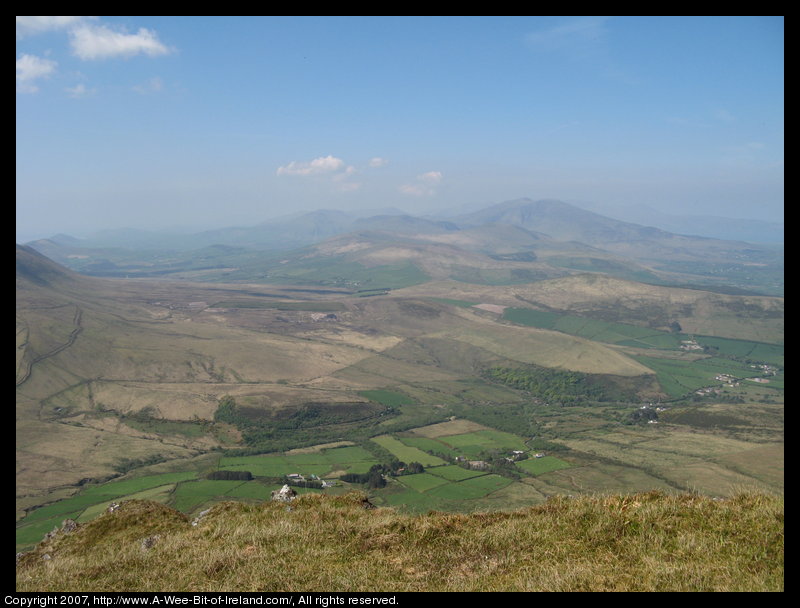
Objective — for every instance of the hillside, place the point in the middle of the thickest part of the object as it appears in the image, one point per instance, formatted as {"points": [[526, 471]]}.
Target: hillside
{"points": [[128, 378], [635, 542]]}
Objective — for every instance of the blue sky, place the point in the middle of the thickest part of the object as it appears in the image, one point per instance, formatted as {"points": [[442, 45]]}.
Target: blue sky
{"points": [[218, 121]]}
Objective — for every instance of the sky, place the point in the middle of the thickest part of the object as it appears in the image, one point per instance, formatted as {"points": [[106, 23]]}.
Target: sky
{"points": [[202, 122]]}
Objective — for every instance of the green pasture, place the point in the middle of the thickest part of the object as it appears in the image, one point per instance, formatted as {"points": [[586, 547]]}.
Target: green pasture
{"points": [[92, 495], [92, 501], [353, 459], [253, 490], [471, 444], [421, 482], [595, 329], [191, 494], [31, 533], [454, 472], [430, 445], [678, 377], [545, 464], [624, 334], [159, 494], [260, 466], [387, 398], [475, 487], [760, 352], [406, 453]]}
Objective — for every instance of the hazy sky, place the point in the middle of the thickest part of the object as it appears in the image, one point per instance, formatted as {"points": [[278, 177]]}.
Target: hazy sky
{"points": [[203, 121]]}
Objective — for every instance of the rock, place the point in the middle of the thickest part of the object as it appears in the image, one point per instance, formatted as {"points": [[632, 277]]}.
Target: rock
{"points": [[149, 541], [200, 516], [69, 525], [285, 494]]}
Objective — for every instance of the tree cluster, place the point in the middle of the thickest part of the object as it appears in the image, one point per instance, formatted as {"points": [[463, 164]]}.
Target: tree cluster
{"points": [[375, 477], [123, 465]]}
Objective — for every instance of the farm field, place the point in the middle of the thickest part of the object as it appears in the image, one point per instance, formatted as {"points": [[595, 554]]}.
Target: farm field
{"points": [[641, 337], [351, 459], [407, 453], [442, 485], [679, 377], [539, 466]]}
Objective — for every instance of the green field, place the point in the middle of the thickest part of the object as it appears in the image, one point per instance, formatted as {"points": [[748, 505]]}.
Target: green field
{"points": [[468, 489], [421, 482], [539, 466], [387, 398], [278, 305], [470, 445], [489, 439], [407, 453], [595, 329], [454, 473], [353, 459], [680, 377], [102, 493], [642, 337], [92, 501], [761, 352]]}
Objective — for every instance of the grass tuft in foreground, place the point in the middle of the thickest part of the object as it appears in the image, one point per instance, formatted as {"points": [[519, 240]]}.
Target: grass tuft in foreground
{"points": [[641, 542]]}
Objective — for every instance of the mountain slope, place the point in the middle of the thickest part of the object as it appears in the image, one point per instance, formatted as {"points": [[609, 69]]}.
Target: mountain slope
{"points": [[640, 542], [566, 222]]}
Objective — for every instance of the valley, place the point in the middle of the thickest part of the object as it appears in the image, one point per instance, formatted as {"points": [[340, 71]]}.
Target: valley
{"points": [[474, 350]]}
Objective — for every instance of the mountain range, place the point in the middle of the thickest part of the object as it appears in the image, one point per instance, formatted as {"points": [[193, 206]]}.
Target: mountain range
{"points": [[523, 238]]}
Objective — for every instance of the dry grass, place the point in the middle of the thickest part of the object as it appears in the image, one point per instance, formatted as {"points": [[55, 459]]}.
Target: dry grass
{"points": [[642, 542]]}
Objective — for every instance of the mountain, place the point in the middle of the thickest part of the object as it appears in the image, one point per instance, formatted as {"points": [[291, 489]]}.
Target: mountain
{"points": [[403, 224], [555, 236], [637, 542], [718, 227], [558, 220], [36, 270]]}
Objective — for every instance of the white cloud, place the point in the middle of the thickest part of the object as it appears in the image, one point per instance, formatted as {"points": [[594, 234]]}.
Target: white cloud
{"points": [[27, 26], [424, 185], [79, 91], [378, 162], [323, 164], [154, 85], [349, 171], [415, 190], [431, 177], [100, 42], [29, 69]]}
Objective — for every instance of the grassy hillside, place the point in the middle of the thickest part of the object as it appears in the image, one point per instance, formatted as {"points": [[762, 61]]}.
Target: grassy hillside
{"points": [[638, 542], [757, 318]]}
